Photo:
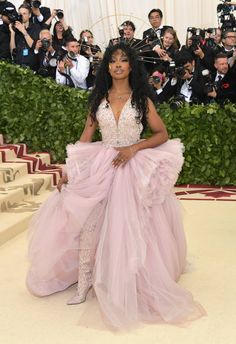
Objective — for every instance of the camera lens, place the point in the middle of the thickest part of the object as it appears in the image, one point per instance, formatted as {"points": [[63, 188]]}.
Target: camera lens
{"points": [[60, 14], [36, 4]]}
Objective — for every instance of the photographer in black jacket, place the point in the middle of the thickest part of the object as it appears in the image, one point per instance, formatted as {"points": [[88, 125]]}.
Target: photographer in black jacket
{"points": [[46, 54], [190, 84], [7, 11], [23, 37], [40, 14]]}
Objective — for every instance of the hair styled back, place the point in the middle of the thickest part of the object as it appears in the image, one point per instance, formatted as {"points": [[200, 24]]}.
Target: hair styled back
{"points": [[138, 81]]}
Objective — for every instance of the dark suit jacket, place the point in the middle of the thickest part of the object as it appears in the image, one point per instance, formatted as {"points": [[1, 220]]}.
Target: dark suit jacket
{"points": [[135, 42], [227, 87], [167, 92], [46, 12], [197, 85], [152, 33]]}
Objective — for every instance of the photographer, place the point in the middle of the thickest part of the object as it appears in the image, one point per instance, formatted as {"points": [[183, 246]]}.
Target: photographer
{"points": [[156, 32], [163, 84], [152, 38], [190, 83], [73, 69], [61, 32], [229, 45], [126, 31], [224, 80], [92, 52], [47, 56], [7, 9], [23, 37], [196, 46], [40, 14]]}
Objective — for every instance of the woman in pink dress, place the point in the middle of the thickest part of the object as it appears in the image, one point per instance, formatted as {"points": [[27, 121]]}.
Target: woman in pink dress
{"points": [[115, 224]]}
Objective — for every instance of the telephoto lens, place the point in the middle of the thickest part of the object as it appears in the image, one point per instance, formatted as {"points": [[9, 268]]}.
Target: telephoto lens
{"points": [[36, 4]]}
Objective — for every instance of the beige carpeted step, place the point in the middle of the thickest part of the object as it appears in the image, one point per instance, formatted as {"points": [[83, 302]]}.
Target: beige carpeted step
{"points": [[26, 180], [12, 171], [22, 188], [16, 219]]}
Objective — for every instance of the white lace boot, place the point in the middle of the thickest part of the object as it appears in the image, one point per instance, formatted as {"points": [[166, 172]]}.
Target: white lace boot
{"points": [[84, 277]]}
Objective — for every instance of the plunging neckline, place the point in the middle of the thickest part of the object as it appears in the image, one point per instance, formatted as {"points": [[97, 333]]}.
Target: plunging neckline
{"points": [[117, 120]]}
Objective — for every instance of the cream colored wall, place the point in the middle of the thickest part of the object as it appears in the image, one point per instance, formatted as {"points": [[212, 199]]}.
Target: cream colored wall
{"points": [[103, 16]]}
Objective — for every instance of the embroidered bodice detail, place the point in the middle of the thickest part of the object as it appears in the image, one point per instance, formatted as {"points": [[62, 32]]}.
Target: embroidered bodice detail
{"points": [[125, 131]]}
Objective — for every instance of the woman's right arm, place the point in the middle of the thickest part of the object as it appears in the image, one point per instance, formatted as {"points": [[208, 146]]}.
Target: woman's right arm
{"points": [[89, 130]]}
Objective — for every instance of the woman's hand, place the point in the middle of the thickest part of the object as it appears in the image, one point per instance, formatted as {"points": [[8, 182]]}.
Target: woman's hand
{"points": [[62, 180], [124, 155]]}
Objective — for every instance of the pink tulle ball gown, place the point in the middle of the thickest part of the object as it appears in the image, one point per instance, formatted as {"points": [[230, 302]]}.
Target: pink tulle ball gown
{"points": [[128, 222]]}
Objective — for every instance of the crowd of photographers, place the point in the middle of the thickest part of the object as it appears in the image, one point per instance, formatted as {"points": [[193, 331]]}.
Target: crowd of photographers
{"points": [[201, 71]]}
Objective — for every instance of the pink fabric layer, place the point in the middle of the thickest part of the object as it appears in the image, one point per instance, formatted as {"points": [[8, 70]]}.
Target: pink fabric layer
{"points": [[139, 239]]}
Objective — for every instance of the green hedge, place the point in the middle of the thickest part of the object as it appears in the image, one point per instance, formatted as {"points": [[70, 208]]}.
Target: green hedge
{"points": [[47, 117]]}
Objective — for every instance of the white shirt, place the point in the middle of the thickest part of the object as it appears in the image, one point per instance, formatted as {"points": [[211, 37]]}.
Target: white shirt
{"points": [[217, 76], [186, 90], [78, 73]]}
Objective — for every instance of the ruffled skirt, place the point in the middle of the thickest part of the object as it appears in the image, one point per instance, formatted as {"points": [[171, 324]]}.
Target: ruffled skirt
{"points": [[136, 225]]}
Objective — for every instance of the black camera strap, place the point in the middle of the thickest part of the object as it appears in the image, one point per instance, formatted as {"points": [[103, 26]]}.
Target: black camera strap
{"points": [[69, 81]]}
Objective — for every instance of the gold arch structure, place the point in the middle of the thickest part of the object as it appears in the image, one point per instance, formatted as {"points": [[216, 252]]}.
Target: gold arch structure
{"points": [[117, 16]]}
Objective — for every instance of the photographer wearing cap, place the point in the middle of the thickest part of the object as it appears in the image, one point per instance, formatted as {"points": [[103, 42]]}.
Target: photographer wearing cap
{"points": [[73, 69], [47, 55], [23, 37], [6, 10], [40, 14]]}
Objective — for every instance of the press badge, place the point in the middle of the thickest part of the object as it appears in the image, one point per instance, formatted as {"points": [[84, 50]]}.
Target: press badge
{"points": [[25, 52]]}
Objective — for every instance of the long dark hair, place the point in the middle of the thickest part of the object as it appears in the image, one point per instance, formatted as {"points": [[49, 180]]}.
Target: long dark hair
{"points": [[138, 81]]}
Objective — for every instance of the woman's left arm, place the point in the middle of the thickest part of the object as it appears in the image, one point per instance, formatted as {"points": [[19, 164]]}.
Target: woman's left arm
{"points": [[158, 128]]}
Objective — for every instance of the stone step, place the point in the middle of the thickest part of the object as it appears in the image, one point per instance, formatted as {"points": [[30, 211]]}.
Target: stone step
{"points": [[17, 218], [12, 171], [19, 190]]}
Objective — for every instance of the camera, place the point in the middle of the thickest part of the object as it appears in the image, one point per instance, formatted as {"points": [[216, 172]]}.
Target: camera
{"points": [[209, 85], [180, 72], [177, 102], [196, 42], [226, 16], [36, 4], [45, 43], [12, 15], [60, 14], [61, 54], [71, 55]]}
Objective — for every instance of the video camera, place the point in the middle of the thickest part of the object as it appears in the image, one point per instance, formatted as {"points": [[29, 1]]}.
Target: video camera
{"points": [[226, 16]]}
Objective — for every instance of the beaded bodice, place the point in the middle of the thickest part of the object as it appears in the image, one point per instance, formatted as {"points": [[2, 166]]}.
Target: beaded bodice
{"points": [[125, 132]]}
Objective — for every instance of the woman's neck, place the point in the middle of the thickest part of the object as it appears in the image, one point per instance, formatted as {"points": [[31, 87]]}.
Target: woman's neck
{"points": [[120, 87]]}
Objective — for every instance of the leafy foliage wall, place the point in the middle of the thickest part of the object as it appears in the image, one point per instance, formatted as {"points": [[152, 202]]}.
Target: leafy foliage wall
{"points": [[47, 117]]}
